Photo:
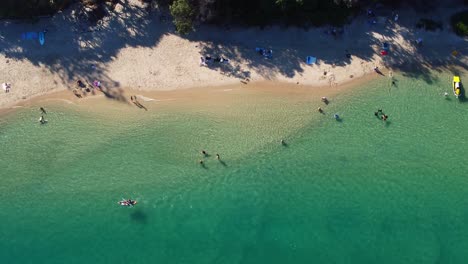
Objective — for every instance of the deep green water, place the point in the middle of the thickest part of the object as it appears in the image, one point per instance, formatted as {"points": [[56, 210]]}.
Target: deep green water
{"points": [[356, 191]]}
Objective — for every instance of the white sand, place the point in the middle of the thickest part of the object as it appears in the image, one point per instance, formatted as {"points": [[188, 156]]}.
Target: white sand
{"points": [[146, 54]]}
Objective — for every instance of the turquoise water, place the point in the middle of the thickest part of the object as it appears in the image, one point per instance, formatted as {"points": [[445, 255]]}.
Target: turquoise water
{"points": [[356, 191]]}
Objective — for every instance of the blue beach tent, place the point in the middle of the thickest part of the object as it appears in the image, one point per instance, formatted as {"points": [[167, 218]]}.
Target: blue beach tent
{"points": [[311, 60]]}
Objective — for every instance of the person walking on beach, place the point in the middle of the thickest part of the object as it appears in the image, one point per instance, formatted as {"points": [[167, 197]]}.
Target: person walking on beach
{"points": [[42, 120], [6, 87], [43, 110]]}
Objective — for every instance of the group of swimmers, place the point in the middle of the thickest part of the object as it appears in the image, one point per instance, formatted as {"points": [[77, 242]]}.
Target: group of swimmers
{"points": [[205, 155], [325, 101], [382, 115]]}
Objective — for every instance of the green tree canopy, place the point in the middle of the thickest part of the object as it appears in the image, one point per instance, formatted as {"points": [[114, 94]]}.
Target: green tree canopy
{"points": [[183, 14]]}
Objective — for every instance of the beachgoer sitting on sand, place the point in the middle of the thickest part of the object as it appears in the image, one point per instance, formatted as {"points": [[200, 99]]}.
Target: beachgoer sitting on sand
{"points": [[220, 59], [80, 84], [97, 84], [203, 62], [347, 54]]}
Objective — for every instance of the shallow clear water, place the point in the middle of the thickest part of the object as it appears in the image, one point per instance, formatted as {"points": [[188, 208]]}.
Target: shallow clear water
{"points": [[356, 191]]}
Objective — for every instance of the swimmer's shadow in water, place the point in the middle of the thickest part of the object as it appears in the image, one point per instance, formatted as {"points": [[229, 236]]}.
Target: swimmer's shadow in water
{"points": [[139, 216], [222, 163]]}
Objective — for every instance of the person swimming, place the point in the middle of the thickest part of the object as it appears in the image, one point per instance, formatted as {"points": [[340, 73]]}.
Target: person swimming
{"points": [[217, 156], [320, 110], [336, 116], [201, 162], [384, 117], [325, 100], [283, 142], [204, 153]]}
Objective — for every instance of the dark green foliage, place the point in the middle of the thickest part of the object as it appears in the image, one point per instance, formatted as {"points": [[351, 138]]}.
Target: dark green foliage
{"points": [[429, 24], [289, 12], [183, 13], [30, 8], [460, 23]]}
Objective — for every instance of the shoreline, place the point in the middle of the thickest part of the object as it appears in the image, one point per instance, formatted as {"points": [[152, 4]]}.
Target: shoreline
{"points": [[215, 95], [152, 57]]}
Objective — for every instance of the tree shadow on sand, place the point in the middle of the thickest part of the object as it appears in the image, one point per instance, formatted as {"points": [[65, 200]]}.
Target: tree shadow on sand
{"points": [[76, 49]]}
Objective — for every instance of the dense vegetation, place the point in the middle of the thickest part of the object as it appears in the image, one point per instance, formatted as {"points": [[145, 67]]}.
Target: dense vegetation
{"points": [[30, 8], [262, 12], [303, 13], [460, 23]]}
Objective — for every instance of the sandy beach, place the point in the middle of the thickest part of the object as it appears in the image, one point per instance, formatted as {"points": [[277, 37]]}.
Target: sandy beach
{"points": [[136, 50]]}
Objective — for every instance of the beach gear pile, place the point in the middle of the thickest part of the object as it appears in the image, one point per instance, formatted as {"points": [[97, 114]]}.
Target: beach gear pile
{"points": [[385, 49], [204, 61], [267, 53]]}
